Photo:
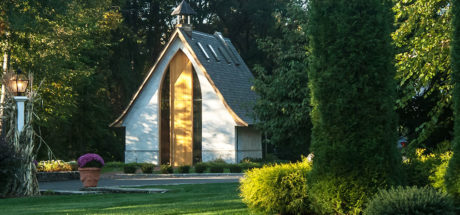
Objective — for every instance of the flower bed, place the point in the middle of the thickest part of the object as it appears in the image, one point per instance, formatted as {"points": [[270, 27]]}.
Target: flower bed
{"points": [[58, 176]]}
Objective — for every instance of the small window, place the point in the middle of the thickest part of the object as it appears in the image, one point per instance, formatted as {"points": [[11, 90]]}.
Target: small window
{"points": [[202, 49], [234, 55], [213, 52]]}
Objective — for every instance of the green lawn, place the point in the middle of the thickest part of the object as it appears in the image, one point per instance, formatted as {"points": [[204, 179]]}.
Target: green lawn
{"points": [[182, 199]]}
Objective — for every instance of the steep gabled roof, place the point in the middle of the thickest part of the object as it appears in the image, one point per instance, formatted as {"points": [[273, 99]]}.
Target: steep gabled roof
{"points": [[223, 67], [183, 9]]}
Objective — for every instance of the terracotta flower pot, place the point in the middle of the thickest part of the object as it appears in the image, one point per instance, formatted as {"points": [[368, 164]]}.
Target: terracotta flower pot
{"points": [[89, 176]]}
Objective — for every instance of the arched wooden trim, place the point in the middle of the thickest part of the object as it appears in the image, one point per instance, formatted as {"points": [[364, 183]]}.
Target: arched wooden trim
{"points": [[177, 32]]}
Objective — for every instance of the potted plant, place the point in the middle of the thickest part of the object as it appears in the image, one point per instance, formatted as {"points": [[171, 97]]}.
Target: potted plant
{"points": [[89, 166]]}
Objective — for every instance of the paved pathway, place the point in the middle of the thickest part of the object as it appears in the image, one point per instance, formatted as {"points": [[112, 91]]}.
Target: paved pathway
{"points": [[74, 185]]}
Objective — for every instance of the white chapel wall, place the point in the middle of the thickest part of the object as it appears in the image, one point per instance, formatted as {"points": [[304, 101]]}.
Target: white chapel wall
{"points": [[249, 143]]}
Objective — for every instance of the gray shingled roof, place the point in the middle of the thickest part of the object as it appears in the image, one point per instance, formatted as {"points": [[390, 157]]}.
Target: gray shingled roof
{"points": [[228, 71], [183, 9]]}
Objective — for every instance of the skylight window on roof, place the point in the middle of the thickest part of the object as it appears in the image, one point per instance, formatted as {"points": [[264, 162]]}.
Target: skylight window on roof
{"points": [[227, 58], [234, 56], [204, 51], [213, 52]]}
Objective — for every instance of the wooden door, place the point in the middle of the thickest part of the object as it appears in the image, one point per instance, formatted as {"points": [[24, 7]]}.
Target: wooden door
{"points": [[181, 82]]}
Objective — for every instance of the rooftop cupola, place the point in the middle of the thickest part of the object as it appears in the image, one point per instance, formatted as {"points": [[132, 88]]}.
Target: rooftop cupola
{"points": [[184, 12]]}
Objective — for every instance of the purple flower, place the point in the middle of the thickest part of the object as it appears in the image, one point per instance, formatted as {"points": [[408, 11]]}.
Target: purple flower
{"points": [[36, 162], [90, 160]]}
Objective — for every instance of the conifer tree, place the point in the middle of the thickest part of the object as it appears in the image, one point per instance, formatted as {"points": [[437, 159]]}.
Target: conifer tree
{"points": [[452, 179], [353, 93]]}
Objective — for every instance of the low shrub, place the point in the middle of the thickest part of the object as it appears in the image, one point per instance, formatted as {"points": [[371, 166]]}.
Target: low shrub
{"points": [[166, 169], [438, 173], [200, 167], [147, 168], [235, 168], [217, 162], [246, 165], [114, 165], [410, 200], [280, 188], [53, 166], [130, 168], [184, 169], [426, 169], [215, 168]]}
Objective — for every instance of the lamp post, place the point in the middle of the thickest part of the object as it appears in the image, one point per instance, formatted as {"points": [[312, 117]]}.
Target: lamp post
{"points": [[17, 84]]}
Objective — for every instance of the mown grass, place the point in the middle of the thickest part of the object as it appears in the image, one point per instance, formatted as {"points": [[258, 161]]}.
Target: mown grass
{"points": [[182, 199]]}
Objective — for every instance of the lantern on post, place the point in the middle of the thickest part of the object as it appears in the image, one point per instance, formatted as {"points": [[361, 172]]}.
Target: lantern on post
{"points": [[17, 84]]}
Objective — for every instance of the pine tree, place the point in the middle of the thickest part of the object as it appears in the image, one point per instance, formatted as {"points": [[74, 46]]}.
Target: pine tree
{"points": [[353, 93], [453, 171]]}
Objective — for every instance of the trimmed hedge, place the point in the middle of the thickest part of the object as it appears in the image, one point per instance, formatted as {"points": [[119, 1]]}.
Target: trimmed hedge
{"points": [[216, 168], [410, 200], [281, 188], [235, 168], [147, 168], [184, 169], [200, 167], [166, 169], [130, 168], [248, 165]]}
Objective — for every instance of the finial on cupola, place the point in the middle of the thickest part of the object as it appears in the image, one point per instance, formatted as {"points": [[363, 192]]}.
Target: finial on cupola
{"points": [[183, 12]]}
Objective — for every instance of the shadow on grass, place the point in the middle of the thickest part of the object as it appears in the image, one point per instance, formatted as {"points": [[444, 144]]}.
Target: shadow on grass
{"points": [[182, 199]]}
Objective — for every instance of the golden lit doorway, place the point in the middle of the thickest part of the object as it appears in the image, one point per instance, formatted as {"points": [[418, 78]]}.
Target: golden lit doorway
{"points": [[180, 130]]}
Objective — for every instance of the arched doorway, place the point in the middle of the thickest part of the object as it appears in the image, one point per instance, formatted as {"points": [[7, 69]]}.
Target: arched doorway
{"points": [[180, 111]]}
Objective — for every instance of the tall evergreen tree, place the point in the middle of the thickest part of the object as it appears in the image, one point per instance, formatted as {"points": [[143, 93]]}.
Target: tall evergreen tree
{"points": [[453, 171], [353, 94]]}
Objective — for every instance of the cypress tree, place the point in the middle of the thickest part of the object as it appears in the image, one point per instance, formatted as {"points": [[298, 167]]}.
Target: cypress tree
{"points": [[353, 95], [452, 178]]}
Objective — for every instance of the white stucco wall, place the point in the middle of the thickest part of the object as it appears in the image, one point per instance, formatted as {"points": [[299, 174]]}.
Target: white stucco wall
{"points": [[142, 121], [249, 143]]}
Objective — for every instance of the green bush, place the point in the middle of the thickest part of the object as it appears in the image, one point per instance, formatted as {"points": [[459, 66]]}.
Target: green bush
{"points": [[147, 168], [216, 168], [410, 200], [130, 168], [114, 165], [426, 169], [247, 165], [235, 168], [200, 167], [217, 162], [281, 188], [166, 169], [353, 91], [184, 169]]}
